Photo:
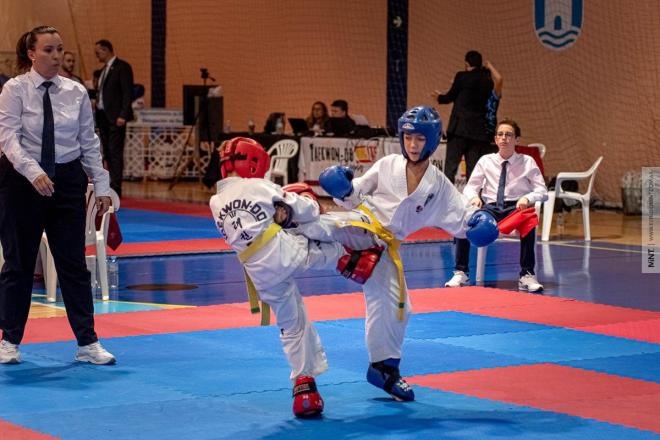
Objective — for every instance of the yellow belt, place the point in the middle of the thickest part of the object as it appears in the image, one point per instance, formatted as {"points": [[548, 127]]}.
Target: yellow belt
{"points": [[393, 245], [263, 238]]}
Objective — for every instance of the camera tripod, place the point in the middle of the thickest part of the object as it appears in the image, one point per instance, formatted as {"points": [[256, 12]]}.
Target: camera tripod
{"points": [[195, 159]]}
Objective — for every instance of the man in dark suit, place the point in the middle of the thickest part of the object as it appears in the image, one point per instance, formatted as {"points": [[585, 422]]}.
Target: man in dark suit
{"points": [[339, 123], [467, 132], [113, 109]]}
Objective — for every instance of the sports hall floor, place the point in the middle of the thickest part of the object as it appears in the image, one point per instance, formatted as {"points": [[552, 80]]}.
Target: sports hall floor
{"points": [[581, 360]]}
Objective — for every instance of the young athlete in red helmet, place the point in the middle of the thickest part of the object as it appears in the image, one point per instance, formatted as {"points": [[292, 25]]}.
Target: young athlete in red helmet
{"points": [[268, 226]]}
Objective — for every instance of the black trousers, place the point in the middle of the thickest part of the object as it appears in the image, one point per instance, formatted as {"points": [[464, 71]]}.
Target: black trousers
{"points": [[527, 244], [24, 215], [112, 141], [458, 146]]}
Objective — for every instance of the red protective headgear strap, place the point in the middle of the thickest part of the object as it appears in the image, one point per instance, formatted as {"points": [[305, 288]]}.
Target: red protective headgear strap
{"points": [[245, 156]]}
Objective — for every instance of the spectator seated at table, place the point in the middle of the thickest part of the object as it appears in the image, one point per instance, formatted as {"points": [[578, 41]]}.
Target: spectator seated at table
{"points": [[339, 124], [275, 123], [317, 118]]}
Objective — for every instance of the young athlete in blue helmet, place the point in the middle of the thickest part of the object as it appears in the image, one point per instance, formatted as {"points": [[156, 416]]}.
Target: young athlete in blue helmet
{"points": [[400, 194]]}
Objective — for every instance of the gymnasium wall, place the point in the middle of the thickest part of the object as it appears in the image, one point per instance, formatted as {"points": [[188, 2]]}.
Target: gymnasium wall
{"points": [[597, 97]]}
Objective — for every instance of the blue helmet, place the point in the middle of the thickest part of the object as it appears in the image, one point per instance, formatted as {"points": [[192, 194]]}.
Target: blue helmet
{"points": [[423, 120]]}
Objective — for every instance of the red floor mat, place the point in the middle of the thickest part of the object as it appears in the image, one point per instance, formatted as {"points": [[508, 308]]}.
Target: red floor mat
{"points": [[477, 300], [202, 210], [644, 330], [583, 393], [207, 245], [168, 247], [521, 306], [429, 234], [10, 431]]}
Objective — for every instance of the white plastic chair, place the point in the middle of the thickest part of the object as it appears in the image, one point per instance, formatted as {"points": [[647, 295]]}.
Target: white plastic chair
{"points": [[482, 251], [280, 153], [92, 237], [559, 193], [541, 148]]}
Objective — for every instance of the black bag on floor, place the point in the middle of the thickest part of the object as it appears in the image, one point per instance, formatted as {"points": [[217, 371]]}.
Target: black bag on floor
{"points": [[563, 205]]}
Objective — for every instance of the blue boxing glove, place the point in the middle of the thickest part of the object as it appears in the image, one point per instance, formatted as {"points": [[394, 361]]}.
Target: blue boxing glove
{"points": [[482, 229], [336, 181]]}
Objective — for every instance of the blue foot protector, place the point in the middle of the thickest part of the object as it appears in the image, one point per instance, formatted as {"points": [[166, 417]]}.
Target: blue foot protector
{"points": [[385, 374]]}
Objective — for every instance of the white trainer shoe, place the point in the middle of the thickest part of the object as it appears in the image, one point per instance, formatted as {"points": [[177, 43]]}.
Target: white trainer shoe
{"points": [[529, 283], [94, 353], [459, 279], [9, 353]]}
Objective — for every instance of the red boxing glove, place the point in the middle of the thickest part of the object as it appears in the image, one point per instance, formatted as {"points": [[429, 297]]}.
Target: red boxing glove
{"points": [[304, 190], [307, 401], [300, 188], [358, 265]]}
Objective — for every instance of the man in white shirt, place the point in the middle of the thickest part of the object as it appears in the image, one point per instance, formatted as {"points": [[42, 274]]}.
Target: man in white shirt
{"points": [[507, 181]]}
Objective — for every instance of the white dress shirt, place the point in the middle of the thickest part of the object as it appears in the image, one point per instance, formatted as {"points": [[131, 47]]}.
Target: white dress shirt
{"points": [[102, 78], [21, 125], [523, 179]]}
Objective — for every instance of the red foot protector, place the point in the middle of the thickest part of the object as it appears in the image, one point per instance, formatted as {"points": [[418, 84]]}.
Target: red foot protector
{"points": [[307, 401]]}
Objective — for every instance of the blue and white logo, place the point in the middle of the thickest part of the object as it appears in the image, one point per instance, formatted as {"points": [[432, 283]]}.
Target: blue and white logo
{"points": [[558, 22]]}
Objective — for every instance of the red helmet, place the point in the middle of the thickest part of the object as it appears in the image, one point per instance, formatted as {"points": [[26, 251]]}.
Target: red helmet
{"points": [[245, 156]]}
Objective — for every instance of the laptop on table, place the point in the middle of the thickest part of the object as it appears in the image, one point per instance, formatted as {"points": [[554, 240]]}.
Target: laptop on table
{"points": [[298, 126]]}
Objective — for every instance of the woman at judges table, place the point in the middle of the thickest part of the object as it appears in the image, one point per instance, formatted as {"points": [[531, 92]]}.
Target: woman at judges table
{"points": [[317, 117], [50, 150]]}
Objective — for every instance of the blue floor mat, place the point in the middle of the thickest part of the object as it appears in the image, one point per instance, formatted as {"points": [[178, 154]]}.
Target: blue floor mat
{"points": [[148, 226], [234, 384], [554, 345], [637, 366], [349, 414]]}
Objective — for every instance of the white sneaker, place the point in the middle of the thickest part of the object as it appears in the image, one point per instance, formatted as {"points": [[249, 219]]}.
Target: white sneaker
{"points": [[529, 283], [94, 353], [459, 279], [9, 353]]}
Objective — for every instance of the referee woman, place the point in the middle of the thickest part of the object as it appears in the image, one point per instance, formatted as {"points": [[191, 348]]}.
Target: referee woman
{"points": [[49, 151]]}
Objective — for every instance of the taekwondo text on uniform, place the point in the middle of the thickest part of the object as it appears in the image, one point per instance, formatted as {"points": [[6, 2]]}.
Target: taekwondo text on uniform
{"points": [[242, 205]]}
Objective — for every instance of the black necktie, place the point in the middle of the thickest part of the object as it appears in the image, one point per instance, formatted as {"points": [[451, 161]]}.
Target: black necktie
{"points": [[104, 73], [48, 135], [500, 188]]}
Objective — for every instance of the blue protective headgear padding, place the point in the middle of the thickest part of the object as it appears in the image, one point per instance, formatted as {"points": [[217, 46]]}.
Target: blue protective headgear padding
{"points": [[423, 120]]}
